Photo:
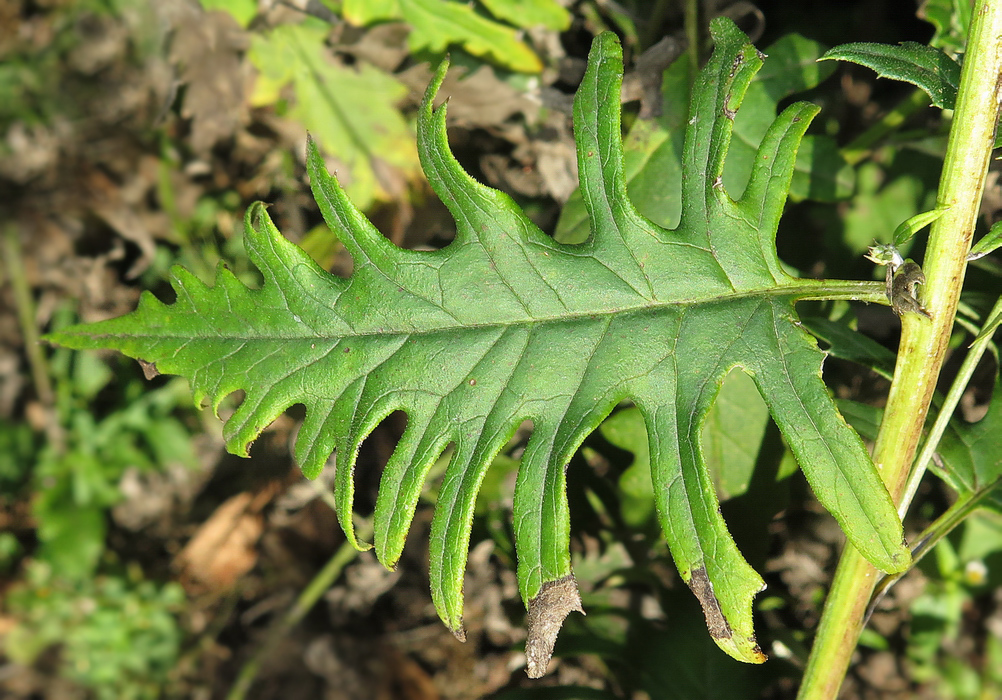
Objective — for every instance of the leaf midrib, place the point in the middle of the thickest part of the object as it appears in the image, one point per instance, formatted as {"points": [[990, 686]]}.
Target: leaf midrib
{"points": [[803, 288]]}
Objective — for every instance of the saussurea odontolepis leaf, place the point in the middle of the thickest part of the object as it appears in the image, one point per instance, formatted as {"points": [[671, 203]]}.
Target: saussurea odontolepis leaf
{"points": [[506, 325]]}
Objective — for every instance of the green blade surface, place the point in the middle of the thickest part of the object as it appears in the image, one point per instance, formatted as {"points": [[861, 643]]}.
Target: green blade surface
{"points": [[506, 325]]}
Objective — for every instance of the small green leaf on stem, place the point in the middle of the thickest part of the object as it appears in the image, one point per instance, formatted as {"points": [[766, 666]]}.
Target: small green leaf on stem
{"points": [[991, 242], [993, 325], [904, 232], [927, 68]]}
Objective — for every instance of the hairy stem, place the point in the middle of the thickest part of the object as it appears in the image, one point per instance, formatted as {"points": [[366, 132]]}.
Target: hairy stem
{"points": [[964, 375], [923, 341]]}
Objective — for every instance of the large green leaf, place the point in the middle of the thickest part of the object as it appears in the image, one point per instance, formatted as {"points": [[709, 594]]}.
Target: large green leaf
{"points": [[505, 324]]}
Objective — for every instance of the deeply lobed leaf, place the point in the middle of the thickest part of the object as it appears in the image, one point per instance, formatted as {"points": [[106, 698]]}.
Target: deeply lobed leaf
{"points": [[506, 325], [653, 147]]}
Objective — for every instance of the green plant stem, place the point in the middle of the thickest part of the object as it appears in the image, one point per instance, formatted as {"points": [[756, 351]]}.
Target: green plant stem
{"points": [[946, 411], [930, 537], [861, 147], [304, 603], [923, 342], [26, 315], [967, 503], [651, 26], [691, 9]]}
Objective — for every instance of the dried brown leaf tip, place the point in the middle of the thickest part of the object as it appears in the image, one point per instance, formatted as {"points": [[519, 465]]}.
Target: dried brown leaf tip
{"points": [[150, 370], [716, 623], [546, 615]]}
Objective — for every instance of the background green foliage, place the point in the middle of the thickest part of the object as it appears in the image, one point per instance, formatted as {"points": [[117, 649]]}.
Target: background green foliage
{"points": [[118, 635]]}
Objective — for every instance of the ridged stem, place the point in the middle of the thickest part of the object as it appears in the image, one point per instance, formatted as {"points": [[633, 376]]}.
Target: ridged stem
{"points": [[923, 342]]}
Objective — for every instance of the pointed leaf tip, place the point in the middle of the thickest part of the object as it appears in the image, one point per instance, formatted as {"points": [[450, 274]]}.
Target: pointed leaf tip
{"points": [[927, 67], [427, 104]]}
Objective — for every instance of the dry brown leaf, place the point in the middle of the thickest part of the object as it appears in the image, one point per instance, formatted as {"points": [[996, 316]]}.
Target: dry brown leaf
{"points": [[207, 49], [476, 99], [225, 546], [107, 202]]}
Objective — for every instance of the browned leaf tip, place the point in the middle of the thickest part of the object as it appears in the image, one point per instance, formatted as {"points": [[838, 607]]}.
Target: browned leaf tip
{"points": [[716, 623], [149, 369], [546, 615]]}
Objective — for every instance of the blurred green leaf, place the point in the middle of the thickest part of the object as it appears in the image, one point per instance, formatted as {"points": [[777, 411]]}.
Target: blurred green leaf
{"points": [[972, 455], [733, 431], [71, 536], [864, 418], [243, 11], [10, 550], [530, 13], [673, 661], [821, 173], [952, 20], [847, 343], [982, 536], [436, 24], [116, 637], [17, 451], [667, 659], [498, 484], [351, 112], [322, 245], [75, 484], [626, 429], [886, 195]]}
